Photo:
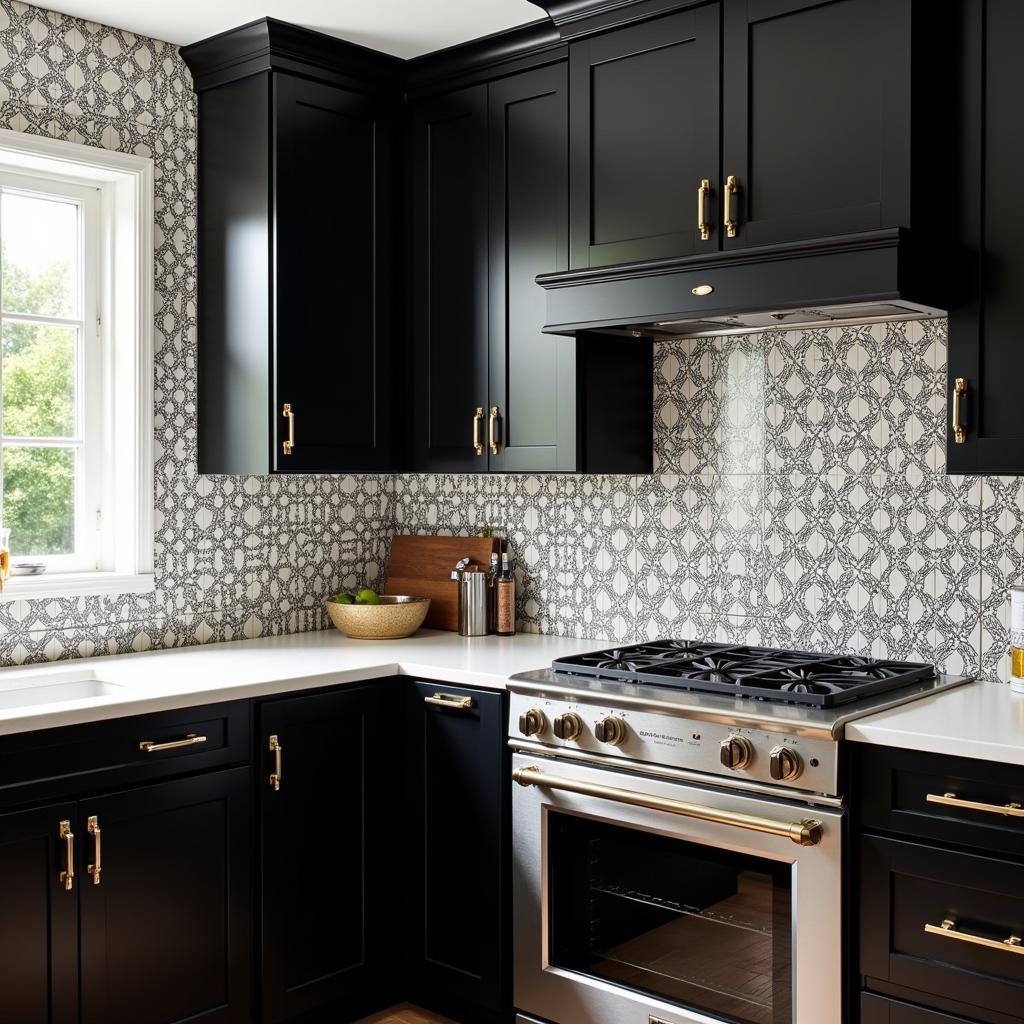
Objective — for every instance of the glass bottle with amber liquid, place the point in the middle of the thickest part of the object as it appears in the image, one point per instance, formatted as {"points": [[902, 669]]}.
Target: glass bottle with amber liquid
{"points": [[505, 600]]}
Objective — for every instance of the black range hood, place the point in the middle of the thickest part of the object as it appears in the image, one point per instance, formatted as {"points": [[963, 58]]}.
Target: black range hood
{"points": [[849, 278]]}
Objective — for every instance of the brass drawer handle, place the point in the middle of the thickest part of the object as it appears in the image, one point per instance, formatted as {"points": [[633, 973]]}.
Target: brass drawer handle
{"points": [[702, 219], [287, 447], [449, 700], [94, 869], [1013, 810], [492, 429], [151, 747], [959, 430], [948, 930], [274, 746], [478, 422], [731, 188], [67, 876]]}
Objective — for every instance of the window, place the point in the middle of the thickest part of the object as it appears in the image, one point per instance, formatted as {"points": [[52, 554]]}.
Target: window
{"points": [[75, 366]]}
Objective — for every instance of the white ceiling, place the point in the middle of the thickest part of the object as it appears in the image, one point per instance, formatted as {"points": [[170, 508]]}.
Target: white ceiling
{"points": [[405, 28]]}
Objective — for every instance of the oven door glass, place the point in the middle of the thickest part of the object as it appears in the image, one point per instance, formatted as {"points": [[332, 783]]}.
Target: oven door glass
{"points": [[702, 928]]}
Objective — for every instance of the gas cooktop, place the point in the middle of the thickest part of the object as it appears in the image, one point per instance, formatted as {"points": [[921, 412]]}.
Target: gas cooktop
{"points": [[760, 673]]}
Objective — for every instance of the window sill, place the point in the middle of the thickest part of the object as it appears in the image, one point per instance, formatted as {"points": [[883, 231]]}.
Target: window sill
{"points": [[74, 584]]}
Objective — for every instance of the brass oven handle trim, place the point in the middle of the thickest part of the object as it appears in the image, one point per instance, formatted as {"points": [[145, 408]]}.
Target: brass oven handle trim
{"points": [[274, 746], [702, 219], [450, 700], [807, 832], [731, 188], [67, 876], [152, 747], [288, 447], [1012, 810], [959, 430], [478, 421], [93, 827], [948, 930], [492, 432]]}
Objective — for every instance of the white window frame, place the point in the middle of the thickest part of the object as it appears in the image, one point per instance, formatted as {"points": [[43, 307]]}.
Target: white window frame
{"points": [[119, 386]]}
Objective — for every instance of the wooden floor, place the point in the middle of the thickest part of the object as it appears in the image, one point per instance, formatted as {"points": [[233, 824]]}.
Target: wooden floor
{"points": [[405, 1013]]}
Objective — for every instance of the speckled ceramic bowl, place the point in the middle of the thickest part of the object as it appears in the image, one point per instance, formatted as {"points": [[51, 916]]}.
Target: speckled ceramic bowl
{"points": [[395, 617]]}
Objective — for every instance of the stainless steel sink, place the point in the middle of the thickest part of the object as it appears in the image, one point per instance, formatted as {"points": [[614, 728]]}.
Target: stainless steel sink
{"points": [[56, 689]]}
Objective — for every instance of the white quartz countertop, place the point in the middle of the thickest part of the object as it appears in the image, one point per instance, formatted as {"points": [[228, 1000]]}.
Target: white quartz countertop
{"points": [[182, 677], [980, 720]]}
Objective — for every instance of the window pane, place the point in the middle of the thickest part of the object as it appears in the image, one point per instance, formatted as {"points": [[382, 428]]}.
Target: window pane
{"points": [[40, 255], [39, 376], [39, 500]]}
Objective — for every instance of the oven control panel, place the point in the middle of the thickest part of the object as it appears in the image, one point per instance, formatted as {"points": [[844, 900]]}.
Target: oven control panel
{"points": [[768, 756]]}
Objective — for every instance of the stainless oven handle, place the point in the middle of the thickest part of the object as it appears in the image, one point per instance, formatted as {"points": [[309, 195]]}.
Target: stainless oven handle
{"points": [[803, 833]]}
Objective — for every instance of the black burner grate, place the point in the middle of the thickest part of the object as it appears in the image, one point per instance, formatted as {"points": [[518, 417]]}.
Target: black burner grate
{"points": [[764, 673]]}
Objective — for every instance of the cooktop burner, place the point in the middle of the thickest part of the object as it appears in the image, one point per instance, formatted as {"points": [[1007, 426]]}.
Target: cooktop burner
{"points": [[762, 673]]}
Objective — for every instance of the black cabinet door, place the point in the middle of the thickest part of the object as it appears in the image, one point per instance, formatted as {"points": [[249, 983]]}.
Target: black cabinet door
{"points": [[449, 382], [532, 394], [644, 134], [984, 335], [458, 778], [816, 117], [325, 923], [165, 925], [39, 936], [334, 193]]}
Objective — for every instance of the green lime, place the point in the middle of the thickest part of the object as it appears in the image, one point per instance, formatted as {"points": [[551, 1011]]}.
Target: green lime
{"points": [[342, 599], [367, 596]]}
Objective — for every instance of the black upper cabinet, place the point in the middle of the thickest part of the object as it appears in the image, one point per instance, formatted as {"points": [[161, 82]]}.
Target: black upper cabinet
{"points": [[985, 352], [644, 128], [297, 184]]}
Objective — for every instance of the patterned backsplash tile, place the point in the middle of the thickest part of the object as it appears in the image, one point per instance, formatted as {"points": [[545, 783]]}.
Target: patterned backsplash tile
{"points": [[799, 496]]}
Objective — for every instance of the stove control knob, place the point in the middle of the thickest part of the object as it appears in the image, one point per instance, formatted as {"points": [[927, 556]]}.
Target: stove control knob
{"points": [[611, 730], [568, 726], [531, 722], [784, 764], [736, 753]]}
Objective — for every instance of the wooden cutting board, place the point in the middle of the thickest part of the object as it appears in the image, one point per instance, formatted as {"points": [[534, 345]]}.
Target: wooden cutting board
{"points": [[421, 567]]}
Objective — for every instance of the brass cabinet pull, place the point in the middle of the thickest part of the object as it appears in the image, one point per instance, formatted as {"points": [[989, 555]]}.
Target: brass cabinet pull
{"points": [[807, 832], [948, 930], [93, 827], [449, 700], [478, 422], [731, 188], [277, 774], [959, 431], [287, 447], [67, 876], [702, 220], [152, 747], [492, 429], [1013, 810]]}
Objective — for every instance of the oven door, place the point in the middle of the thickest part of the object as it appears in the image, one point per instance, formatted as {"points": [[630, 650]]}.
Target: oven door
{"points": [[639, 900]]}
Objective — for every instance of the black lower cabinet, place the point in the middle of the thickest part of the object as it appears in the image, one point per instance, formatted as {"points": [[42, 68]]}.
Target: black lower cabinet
{"points": [[39, 934], [879, 1010], [165, 924], [457, 784], [328, 796]]}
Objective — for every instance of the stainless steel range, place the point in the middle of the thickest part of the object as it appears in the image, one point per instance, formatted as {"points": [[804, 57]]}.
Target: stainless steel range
{"points": [[678, 817]]}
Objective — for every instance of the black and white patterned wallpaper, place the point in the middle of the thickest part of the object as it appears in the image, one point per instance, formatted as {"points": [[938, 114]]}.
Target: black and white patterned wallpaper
{"points": [[799, 496]]}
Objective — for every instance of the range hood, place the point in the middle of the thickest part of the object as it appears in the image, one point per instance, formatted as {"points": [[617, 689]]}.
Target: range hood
{"points": [[873, 276]]}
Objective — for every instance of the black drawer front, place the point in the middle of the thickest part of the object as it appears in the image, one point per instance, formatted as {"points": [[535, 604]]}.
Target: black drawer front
{"points": [[895, 787], [908, 891], [879, 1010], [58, 762]]}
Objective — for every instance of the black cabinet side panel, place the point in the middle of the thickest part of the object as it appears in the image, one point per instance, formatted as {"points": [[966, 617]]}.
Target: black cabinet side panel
{"points": [[234, 267]]}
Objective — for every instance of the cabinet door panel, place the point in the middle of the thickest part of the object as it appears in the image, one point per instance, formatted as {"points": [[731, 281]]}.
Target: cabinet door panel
{"points": [[644, 124], [333, 252], [165, 935], [39, 937], [450, 291], [323, 850], [532, 374], [816, 117]]}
